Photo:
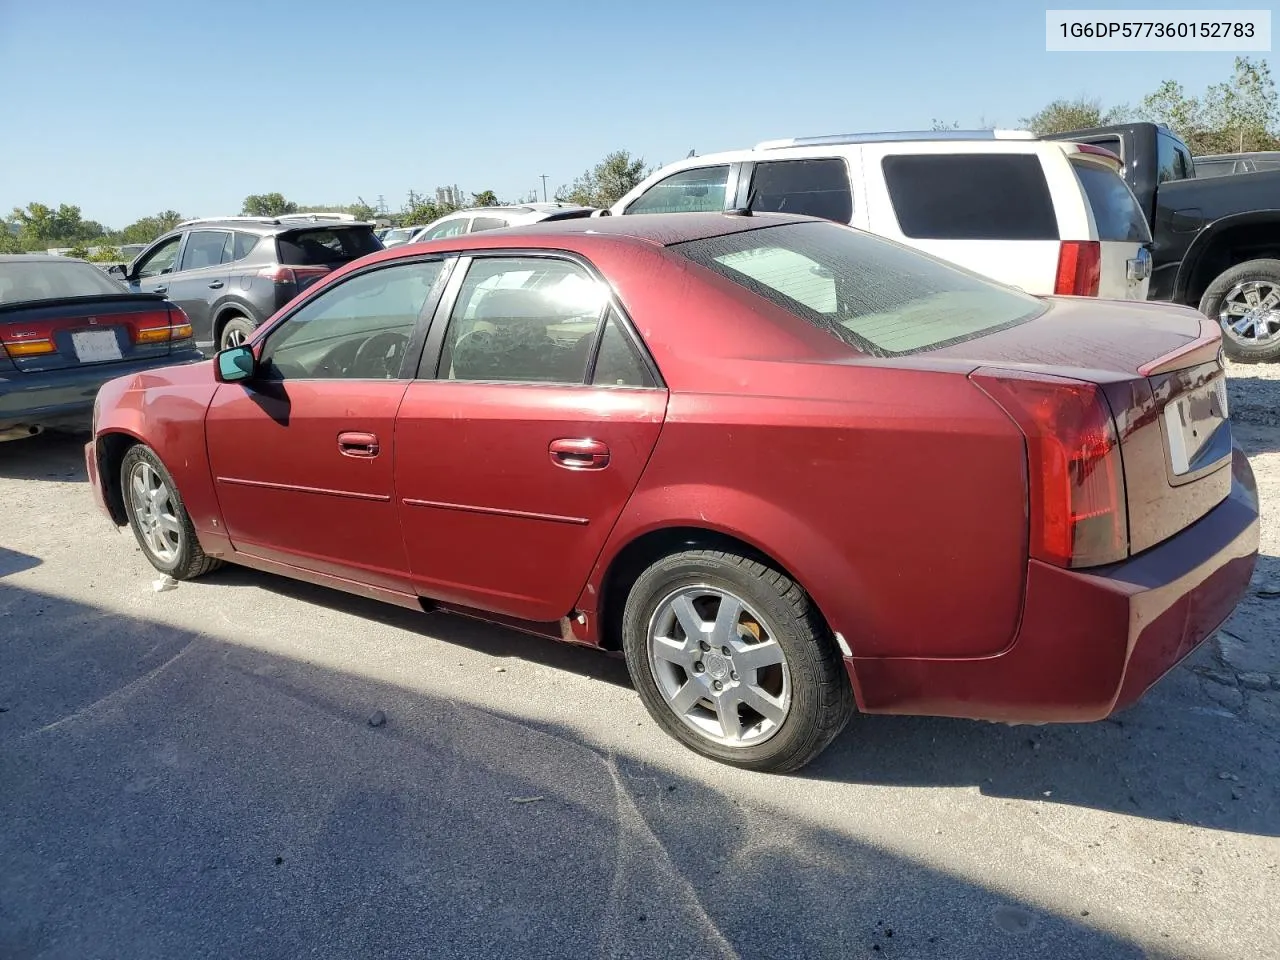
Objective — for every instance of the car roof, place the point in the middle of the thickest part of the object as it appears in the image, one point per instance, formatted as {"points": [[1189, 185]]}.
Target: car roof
{"points": [[660, 229], [267, 225], [37, 258]]}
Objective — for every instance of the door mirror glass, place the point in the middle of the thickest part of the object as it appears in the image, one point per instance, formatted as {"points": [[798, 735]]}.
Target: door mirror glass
{"points": [[235, 363]]}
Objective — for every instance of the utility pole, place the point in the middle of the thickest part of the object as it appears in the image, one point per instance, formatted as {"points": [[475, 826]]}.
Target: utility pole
{"points": [[544, 188]]}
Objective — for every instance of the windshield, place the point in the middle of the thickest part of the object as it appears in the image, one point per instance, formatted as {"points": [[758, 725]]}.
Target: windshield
{"points": [[877, 296], [52, 279]]}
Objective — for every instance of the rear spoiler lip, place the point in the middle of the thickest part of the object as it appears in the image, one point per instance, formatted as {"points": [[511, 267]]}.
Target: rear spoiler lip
{"points": [[1203, 349], [122, 297]]}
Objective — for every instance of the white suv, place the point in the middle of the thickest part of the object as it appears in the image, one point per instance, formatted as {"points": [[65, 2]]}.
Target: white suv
{"points": [[1050, 217]]}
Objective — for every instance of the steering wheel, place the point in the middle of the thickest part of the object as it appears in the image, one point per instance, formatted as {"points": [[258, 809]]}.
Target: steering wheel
{"points": [[382, 354]]}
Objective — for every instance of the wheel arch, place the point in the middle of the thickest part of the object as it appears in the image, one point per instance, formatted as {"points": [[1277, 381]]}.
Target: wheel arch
{"points": [[223, 312], [1212, 251], [110, 448]]}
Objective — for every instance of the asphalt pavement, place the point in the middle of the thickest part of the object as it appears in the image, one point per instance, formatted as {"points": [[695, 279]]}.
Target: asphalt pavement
{"points": [[248, 767]]}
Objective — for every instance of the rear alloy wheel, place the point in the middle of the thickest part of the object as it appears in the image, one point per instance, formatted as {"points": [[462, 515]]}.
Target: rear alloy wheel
{"points": [[235, 332], [1245, 301], [158, 517], [731, 658]]}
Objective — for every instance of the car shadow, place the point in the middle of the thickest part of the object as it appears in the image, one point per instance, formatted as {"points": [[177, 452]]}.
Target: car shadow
{"points": [[54, 455], [1182, 754], [175, 793]]}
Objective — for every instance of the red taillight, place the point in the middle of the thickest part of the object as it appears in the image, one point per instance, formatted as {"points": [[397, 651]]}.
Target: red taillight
{"points": [[1079, 268], [161, 326], [27, 340], [1078, 513], [279, 273]]}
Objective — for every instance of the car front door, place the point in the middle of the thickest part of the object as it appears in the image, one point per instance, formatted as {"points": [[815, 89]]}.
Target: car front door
{"points": [[301, 453], [201, 277], [151, 271], [525, 434]]}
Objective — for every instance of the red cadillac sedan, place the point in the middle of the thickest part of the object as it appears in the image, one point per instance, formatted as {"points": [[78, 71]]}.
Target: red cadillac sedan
{"points": [[786, 467]]}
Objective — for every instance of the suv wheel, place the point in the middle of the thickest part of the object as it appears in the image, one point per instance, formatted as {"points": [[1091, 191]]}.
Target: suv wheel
{"points": [[235, 332], [731, 658], [1245, 300]]}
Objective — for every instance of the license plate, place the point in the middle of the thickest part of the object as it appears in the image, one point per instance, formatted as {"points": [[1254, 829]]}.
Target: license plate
{"points": [[1193, 422], [96, 346]]}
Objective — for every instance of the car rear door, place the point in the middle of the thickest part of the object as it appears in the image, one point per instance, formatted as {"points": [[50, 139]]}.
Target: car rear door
{"points": [[523, 436], [992, 211]]}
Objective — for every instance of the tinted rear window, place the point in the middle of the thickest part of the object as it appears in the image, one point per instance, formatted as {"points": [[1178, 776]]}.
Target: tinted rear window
{"points": [[49, 280], [326, 245], [1115, 210], [971, 196], [879, 297], [813, 188]]}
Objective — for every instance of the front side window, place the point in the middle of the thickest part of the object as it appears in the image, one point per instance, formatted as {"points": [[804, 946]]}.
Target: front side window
{"points": [[700, 190], [812, 188], [160, 260], [205, 249], [450, 228], [971, 196], [523, 319], [878, 297], [357, 330]]}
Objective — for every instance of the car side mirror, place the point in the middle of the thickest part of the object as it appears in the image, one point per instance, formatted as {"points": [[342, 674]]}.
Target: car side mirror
{"points": [[234, 364]]}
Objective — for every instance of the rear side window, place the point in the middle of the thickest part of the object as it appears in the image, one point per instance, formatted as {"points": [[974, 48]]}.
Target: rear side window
{"points": [[700, 190], [243, 245], [971, 196], [878, 297], [813, 188], [487, 223], [326, 246], [1173, 160], [1115, 209]]}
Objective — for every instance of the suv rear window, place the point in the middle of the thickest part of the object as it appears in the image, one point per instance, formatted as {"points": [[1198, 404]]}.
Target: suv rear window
{"points": [[971, 196], [1115, 209], [879, 297], [326, 245]]}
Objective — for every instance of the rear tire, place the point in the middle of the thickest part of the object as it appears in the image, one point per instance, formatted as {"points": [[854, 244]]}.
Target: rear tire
{"points": [[1250, 330], [159, 518], [235, 331], [768, 649]]}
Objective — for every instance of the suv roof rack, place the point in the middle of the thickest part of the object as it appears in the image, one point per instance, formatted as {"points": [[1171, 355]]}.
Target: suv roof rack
{"points": [[310, 217], [317, 215], [891, 136], [187, 223]]}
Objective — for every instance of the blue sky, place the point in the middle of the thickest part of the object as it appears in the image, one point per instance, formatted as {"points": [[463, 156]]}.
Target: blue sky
{"points": [[126, 109]]}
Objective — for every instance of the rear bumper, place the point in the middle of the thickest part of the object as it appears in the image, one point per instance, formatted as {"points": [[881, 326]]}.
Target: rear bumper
{"points": [[1089, 643], [64, 398]]}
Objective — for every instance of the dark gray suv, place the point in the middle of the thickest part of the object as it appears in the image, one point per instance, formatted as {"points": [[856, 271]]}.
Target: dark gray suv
{"points": [[231, 273]]}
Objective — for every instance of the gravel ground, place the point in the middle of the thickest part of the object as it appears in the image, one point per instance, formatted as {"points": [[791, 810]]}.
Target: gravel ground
{"points": [[249, 767]]}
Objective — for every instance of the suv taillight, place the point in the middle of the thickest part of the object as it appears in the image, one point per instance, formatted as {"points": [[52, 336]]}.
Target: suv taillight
{"points": [[278, 273], [1078, 513], [1079, 268]]}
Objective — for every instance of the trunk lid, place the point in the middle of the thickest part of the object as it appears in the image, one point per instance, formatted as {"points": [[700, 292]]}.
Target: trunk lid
{"points": [[67, 332], [1161, 372]]}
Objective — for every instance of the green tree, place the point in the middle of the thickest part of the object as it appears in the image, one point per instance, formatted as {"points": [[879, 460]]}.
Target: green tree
{"points": [[267, 205], [105, 254], [148, 228], [606, 182], [1062, 116], [79, 252], [485, 198], [1238, 115], [41, 226]]}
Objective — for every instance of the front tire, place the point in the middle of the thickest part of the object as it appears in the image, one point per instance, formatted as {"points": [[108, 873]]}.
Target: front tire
{"points": [[1245, 301], [731, 658], [158, 517]]}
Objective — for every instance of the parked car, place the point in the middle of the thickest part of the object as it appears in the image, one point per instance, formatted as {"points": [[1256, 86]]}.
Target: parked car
{"points": [[65, 329], [1228, 164], [228, 274], [399, 235], [496, 218], [1217, 240], [1049, 218], [780, 463]]}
